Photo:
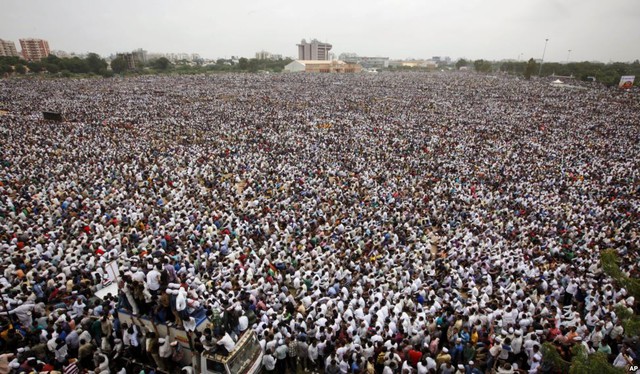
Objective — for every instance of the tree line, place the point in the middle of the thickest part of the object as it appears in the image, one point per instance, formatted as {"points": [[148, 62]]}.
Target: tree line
{"points": [[163, 65], [608, 74], [92, 64]]}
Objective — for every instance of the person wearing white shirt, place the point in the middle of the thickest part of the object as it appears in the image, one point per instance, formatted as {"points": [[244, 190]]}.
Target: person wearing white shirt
{"points": [[153, 279], [596, 336], [313, 353], [623, 359], [617, 330], [591, 319], [535, 359], [243, 323], [422, 368], [78, 307], [269, 362], [227, 342]]}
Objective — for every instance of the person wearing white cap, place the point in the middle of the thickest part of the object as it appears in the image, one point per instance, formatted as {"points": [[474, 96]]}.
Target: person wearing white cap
{"points": [[23, 312], [165, 350], [443, 357], [517, 344], [535, 360], [472, 369], [369, 248]]}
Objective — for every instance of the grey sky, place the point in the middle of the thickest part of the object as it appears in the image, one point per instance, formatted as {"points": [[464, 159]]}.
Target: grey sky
{"points": [[491, 29]]}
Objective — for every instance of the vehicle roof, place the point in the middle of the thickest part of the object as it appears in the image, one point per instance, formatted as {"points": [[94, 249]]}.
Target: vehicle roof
{"points": [[241, 342]]}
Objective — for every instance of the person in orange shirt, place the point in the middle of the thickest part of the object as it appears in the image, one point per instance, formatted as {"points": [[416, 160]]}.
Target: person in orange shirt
{"points": [[19, 273], [571, 335]]}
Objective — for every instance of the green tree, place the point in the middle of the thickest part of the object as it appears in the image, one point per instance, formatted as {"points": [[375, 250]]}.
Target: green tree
{"points": [[52, 59], [20, 69], [35, 66], [581, 362], [5, 68], [119, 65], [162, 63], [530, 68], [96, 63], [243, 64], [482, 66], [461, 62], [74, 65], [51, 68], [10, 60], [611, 266]]}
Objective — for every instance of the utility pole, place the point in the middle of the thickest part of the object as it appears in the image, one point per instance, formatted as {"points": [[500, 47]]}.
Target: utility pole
{"points": [[543, 52]]}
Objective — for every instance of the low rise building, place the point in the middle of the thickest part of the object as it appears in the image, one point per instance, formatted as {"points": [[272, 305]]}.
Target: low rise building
{"points": [[322, 66], [365, 62]]}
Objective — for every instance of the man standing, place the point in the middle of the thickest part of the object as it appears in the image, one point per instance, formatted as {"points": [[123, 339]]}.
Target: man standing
{"points": [[153, 280], [165, 351], [269, 362], [281, 356], [292, 358]]}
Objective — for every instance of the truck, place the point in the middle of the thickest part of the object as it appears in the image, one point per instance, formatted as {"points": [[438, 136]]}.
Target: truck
{"points": [[246, 357]]}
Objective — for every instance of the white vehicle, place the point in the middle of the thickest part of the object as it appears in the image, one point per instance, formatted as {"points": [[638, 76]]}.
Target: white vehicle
{"points": [[246, 357]]}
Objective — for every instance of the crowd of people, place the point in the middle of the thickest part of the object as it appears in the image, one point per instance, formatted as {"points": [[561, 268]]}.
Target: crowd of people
{"points": [[374, 223]]}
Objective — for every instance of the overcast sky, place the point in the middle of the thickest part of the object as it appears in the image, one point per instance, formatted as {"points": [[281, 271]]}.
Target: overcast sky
{"points": [[604, 30]]}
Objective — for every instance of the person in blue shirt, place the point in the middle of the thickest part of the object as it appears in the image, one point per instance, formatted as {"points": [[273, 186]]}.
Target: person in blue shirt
{"points": [[471, 368], [456, 352], [464, 335]]}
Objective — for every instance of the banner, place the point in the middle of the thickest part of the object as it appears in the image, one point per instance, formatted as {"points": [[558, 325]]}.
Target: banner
{"points": [[52, 116], [112, 273], [626, 81]]}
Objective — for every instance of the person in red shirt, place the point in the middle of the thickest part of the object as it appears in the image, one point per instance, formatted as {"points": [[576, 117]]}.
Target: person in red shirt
{"points": [[414, 357]]}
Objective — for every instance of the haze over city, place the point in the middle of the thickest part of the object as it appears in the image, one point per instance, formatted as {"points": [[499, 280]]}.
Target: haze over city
{"points": [[491, 29]]}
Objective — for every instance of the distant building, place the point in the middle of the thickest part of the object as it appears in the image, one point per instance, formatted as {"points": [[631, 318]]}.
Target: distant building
{"points": [[34, 49], [8, 48], [321, 66], [140, 55], [366, 62], [349, 57], [441, 59], [176, 57], [430, 64], [129, 58], [61, 54], [374, 62], [314, 50], [264, 55]]}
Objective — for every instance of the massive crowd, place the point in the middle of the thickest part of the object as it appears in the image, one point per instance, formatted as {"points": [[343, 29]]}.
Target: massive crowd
{"points": [[388, 223]]}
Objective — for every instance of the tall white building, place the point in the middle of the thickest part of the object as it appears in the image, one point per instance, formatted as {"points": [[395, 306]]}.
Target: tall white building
{"points": [[8, 48], [314, 50]]}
